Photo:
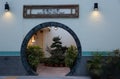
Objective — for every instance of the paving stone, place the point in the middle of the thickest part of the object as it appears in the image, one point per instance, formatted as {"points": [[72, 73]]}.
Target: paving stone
{"points": [[38, 77]]}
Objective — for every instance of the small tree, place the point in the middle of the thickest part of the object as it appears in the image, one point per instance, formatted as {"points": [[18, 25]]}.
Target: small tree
{"points": [[56, 48], [57, 51]]}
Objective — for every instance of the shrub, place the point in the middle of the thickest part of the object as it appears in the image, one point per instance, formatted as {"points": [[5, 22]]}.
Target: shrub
{"points": [[34, 54], [70, 56]]}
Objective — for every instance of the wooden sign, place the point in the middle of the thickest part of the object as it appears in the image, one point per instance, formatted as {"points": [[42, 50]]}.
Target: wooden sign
{"points": [[51, 11]]}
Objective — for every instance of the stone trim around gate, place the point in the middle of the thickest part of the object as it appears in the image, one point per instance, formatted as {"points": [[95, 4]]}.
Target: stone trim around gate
{"points": [[74, 71]]}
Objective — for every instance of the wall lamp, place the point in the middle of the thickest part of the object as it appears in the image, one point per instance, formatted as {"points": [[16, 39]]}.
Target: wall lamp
{"points": [[7, 8], [95, 6], [56, 28]]}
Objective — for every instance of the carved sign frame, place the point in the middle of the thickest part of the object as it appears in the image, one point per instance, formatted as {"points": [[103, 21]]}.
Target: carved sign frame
{"points": [[51, 11]]}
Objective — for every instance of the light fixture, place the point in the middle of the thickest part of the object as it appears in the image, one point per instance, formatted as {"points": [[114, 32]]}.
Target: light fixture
{"points": [[33, 39], [7, 8], [56, 28], [95, 6]]}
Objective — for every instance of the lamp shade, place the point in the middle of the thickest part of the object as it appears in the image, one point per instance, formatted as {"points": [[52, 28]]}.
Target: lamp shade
{"points": [[95, 6], [7, 8]]}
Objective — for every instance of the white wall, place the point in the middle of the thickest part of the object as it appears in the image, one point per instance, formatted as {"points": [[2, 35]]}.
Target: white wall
{"points": [[102, 34]]}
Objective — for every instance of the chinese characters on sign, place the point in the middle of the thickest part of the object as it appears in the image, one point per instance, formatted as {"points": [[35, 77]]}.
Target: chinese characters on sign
{"points": [[51, 11]]}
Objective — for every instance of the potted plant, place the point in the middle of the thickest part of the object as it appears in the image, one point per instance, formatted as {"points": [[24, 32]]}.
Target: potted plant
{"points": [[34, 55], [95, 65], [70, 56]]}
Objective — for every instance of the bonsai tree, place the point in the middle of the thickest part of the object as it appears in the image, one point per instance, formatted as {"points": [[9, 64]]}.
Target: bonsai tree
{"points": [[71, 55], [57, 48], [34, 54], [57, 51]]}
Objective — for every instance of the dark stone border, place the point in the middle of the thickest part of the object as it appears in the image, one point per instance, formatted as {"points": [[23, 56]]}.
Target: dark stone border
{"points": [[74, 71]]}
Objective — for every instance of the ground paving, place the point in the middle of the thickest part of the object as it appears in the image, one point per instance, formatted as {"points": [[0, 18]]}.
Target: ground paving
{"points": [[43, 70], [39, 77], [46, 72]]}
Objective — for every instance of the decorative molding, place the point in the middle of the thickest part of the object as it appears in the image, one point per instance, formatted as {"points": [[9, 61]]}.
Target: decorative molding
{"points": [[51, 11]]}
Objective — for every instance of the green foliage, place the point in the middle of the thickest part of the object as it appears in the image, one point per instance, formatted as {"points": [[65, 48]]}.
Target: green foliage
{"points": [[57, 49], [34, 54], [71, 55], [54, 61], [94, 65], [106, 67], [61, 54], [112, 64], [57, 43]]}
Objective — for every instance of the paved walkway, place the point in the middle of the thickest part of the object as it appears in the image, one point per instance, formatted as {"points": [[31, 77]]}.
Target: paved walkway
{"points": [[38, 77], [46, 72], [43, 70]]}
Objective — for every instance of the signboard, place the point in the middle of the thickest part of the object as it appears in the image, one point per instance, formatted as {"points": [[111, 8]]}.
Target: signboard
{"points": [[51, 11]]}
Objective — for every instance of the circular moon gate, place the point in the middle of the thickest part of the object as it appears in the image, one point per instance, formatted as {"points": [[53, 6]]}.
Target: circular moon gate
{"points": [[74, 71]]}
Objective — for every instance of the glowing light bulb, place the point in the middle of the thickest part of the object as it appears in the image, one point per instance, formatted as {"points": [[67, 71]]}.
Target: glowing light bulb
{"points": [[33, 39], [56, 28], [95, 16], [8, 15]]}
